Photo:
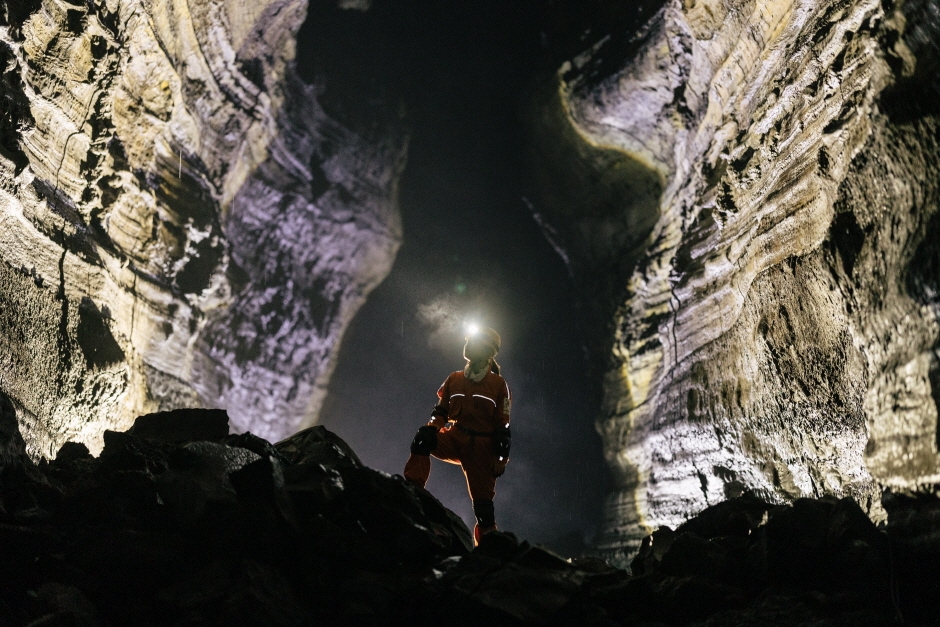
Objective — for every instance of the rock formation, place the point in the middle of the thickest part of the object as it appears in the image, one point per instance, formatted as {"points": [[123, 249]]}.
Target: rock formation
{"points": [[181, 224], [179, 523], [759, 250], [745, 191]]}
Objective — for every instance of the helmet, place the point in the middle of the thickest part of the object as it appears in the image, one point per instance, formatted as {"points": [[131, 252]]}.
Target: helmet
{"points": [[488, 336]]}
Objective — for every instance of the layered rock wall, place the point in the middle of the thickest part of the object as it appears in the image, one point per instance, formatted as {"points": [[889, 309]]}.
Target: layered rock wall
{"points": [[770, 335], [180, 222]]}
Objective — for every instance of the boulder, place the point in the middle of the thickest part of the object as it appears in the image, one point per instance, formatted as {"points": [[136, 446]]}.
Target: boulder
{"points": [[258, 446], [72, 451], [317, 445], [239, 531], [182, 425], [510, 580]]}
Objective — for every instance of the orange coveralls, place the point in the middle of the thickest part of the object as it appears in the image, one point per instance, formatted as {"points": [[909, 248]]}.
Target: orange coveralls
{"points": [[477, 410]]}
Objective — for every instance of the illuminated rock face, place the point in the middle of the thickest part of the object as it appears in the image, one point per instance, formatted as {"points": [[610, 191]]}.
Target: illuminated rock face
{"points": [[775, 330], [180, 223]]}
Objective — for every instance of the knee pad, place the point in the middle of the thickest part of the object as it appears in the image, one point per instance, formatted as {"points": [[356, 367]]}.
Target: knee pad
{"points": [[425, 440], [485, 513]]}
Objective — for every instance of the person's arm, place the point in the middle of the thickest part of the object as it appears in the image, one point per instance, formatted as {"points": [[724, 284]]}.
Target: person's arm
{"points": [[502, 438], [504, 406], [440, 412]]}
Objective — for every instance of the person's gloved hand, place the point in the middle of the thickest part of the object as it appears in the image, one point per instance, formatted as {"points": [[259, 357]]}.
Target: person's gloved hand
{"points": [[499, 467], [425, 440]]}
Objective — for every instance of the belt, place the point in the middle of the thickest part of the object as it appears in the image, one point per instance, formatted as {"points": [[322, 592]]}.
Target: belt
{"points": [[476, 434]]}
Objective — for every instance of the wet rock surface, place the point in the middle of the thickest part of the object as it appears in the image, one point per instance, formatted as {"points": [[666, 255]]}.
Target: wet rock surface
{"points": [[165, 528]]}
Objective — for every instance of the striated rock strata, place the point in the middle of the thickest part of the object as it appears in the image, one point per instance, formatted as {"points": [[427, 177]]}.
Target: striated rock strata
{"points": [[180, 222], [772, 321]]}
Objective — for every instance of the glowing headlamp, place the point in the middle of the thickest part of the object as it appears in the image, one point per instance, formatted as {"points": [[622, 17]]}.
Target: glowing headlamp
{"points": [[472, 328]]}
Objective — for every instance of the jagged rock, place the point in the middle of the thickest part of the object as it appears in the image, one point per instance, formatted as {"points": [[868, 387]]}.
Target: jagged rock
{"points": [[66, 606], [237, 592], [181, 224], [261, 483], [505, 581], [12, 446], [25, 494], [827, 545], [915, 550], [208, 533], [182, 425], [147, 522], [72, 451], [652, 549], [258, 446], [740, 554], [317, 445], [753, 228]]}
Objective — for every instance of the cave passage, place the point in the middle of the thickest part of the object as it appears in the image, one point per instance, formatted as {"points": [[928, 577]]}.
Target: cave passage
{"points": [[455, 77]]}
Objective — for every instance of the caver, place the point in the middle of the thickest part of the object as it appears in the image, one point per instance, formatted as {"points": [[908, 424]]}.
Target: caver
{"points": [[469, 426]]}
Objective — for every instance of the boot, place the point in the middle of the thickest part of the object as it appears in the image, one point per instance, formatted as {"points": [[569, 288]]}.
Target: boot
{"points": [[479, 532]]}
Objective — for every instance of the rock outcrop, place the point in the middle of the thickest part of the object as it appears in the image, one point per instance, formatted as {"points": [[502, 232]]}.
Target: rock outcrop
{"points": [[180, 222], [176, 523], [765, 288]]}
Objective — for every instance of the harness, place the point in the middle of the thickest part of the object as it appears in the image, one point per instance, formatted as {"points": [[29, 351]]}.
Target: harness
{"points": [[474, 434]]}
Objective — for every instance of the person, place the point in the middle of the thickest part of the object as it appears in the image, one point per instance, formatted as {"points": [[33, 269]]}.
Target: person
{"points": [[469, 426]]}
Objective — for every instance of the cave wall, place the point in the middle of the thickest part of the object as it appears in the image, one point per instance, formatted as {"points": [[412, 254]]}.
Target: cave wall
{"points": [[181, 224], [744, 191], [776, 330]]}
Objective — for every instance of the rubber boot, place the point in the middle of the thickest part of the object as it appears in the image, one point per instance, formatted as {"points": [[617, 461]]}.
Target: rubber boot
{"points": [[486, 519], [479, 532]]}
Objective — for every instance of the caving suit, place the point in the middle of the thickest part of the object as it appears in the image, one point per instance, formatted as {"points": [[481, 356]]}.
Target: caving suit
{"points": [[476, 410]]}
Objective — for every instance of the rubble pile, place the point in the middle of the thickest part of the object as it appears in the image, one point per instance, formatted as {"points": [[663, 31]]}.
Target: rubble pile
{"points": [[179, 523]]}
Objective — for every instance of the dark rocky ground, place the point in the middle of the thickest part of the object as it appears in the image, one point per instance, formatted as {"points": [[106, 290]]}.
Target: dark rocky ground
{"points": [[179, 523]]}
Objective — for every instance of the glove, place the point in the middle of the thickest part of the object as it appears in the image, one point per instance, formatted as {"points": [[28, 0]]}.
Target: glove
{"points": [[499, 467], [425, 440]]}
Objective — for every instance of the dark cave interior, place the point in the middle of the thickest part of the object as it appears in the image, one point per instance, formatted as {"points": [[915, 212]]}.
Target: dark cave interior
{"points": [[457, 78], [186, 518]]}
